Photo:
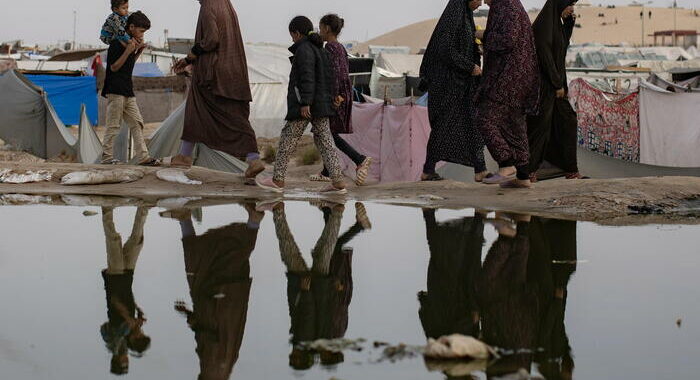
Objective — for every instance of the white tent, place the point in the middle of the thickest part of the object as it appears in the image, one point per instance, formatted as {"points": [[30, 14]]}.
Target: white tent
{"points": [[268, 72], [403, 64]]}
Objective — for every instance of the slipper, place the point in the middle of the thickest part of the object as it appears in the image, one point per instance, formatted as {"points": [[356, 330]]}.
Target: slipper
{"points": [[513, 184], [332, 190], [433, 177], [254, 168], [498, 179], [319, 178], [266, 183], [488, 175], [363, 171]]}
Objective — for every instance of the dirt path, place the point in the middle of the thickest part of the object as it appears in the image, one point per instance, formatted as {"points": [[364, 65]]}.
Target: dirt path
{"points": [[659, 200]]}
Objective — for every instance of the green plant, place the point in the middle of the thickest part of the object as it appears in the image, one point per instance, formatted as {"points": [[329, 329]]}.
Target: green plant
{"points": [[269, 154], [309, 156]]}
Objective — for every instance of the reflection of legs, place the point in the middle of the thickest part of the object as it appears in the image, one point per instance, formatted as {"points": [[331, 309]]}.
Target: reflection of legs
{"points": [[115, 259], [134, 244], [291, 133], [323, 251], [324, 142], [291, 255]]}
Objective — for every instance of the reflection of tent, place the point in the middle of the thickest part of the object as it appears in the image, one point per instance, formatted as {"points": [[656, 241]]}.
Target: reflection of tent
{"points": [[165, 142], [67, 94], [394, 136]]}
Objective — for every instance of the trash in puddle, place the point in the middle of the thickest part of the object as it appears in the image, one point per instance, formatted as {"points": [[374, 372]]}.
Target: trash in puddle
{"points": [[457, 346], [679, 322], [176, 176], [9, 176], [401, 351], [456, 368], [89, 213], [99, 177], [334, 345]]}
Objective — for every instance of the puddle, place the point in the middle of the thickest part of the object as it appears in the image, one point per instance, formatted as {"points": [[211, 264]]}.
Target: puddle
{"points": [[229, 292]]}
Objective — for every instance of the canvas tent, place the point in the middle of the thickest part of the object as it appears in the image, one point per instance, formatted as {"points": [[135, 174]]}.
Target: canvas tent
{"points": [[395, 136], [67, 94], [268, 73]]}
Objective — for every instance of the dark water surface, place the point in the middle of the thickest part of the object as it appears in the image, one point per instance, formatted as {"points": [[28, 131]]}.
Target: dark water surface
{"points": [[231, 301]]}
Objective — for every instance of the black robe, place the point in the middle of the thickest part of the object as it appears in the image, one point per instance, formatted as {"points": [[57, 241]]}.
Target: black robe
{"points": [[448, 306], [552, 134], [447, 70]]}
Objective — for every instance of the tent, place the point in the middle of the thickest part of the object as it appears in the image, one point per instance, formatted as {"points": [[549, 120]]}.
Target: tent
{"points": [[67, 94], [147, 69], [386, 84], [404, 64], [268, 73], [669, 127], [29, 121], [165, 142], [395, 136]]}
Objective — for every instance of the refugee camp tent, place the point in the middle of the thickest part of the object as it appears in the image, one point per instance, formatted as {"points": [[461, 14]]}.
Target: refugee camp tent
{"points": [[395, 136], [693, 52], [670, 53], [386, 84], [669, 127], [405, 64], [28, 121], [67, 94], [268, 73], [165, 142], [147, 70]]}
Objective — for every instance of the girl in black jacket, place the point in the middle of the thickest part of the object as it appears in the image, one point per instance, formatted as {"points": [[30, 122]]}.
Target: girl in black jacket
{"points": [[309, 100]]}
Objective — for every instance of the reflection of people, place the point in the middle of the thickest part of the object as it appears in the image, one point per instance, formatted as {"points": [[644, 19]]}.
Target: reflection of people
{"points": [[218, 274], [552, 133], [450, 69], [449, 304], [508, 297], [319, 297], [123, 330], [555, 242]]}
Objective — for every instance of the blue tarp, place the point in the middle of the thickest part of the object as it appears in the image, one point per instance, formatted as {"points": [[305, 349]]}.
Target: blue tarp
{"points": [[67, 94], [148, 69]]}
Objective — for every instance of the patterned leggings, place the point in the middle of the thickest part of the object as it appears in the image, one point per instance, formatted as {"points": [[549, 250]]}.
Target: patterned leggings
{"points": [[292, 132]]}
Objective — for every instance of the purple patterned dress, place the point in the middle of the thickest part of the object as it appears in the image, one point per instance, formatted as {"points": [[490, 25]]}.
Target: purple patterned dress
{"points": [[341, 72]]}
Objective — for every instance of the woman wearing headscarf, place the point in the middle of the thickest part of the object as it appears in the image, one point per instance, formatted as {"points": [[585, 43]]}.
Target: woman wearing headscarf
{"points": [[509, 91], [218, 103], [450, 69], [552, 133]]}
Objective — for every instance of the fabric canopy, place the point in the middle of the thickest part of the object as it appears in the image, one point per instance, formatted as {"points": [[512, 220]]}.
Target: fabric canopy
{"points": [[395, 137], [147, 69], [68, 94], [669, 127]]}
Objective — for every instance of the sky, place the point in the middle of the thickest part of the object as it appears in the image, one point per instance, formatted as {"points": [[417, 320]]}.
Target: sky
{"points": [[50, 21]]}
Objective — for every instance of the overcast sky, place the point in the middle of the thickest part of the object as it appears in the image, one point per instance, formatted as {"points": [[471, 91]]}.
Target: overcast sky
{"points": [[48, 21]]}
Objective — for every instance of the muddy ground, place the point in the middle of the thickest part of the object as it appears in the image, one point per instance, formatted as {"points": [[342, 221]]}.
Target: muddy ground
{"points": [[619, 201]]}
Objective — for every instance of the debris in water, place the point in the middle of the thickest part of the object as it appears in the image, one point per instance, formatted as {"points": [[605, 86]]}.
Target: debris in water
{"points": [[9, 176], [89, 213], [98, 177], [176, 176], [679, 322], [457, 346], [378, 344], [400, 352], [334, 345]]}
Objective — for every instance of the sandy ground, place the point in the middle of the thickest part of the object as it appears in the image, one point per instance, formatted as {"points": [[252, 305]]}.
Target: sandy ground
{"points": [[660, 200], [598, 24]]}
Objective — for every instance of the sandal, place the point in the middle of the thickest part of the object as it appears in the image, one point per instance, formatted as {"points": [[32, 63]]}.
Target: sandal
{"points": [[498, 179], [363, 171], [319, 178], [150, 161], [515, 184], [433, 177], [266, 183], [480, 180]]}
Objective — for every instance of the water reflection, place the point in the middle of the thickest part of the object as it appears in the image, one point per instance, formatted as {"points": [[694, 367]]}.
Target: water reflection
{"points": [[514, 300], [123, 331], [218, 274], [318, 297]]}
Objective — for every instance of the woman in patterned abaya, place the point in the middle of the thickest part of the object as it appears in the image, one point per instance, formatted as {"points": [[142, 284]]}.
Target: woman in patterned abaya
{"points": [[508, 92], [450, 69], [552, 133]]}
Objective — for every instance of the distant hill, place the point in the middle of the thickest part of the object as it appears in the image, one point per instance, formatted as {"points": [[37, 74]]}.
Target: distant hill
{"points": [[617, 25]]}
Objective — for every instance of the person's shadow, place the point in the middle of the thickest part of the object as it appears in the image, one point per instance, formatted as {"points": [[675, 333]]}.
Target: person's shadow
{"points": [[123, 331]]}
